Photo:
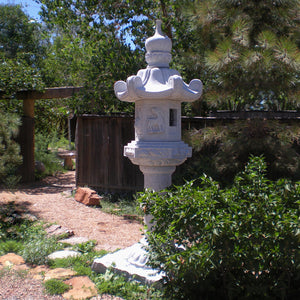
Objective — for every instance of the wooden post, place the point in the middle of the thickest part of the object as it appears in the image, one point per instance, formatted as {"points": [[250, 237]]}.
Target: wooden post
{"points": [[28, 108], [27, 141]]}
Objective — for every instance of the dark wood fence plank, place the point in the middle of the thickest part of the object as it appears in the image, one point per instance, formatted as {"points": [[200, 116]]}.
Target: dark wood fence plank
{"points": [[100, 162]]}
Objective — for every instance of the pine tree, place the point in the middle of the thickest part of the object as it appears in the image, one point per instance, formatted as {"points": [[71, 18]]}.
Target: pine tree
{"points": [[10, 157], [256, 61]]}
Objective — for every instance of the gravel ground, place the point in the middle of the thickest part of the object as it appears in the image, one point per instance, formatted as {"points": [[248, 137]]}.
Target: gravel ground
{"points": [[16, 285], [51, 201]]}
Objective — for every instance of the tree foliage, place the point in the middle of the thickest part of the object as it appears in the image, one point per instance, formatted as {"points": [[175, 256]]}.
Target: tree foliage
{"points": [[222, 151], [256, 59]]}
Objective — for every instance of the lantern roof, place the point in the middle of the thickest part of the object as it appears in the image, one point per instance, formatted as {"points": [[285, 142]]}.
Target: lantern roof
{"points": [[158, 81]]}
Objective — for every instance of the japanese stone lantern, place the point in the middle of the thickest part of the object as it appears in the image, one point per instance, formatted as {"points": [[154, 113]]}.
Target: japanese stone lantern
{"points": [[157, 92]]}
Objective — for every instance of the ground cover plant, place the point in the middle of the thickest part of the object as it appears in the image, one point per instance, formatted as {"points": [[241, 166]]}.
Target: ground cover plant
{"points": [[234, 243]]}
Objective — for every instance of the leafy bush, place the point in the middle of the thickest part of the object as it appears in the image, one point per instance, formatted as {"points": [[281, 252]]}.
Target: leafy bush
{"points": [[222, 151], [234, 243], [49, 158], [36, 251]]}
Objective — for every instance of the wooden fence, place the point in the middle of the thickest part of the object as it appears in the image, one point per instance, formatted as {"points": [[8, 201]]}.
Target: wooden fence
{"points": [[100, 141], [100, 163]]}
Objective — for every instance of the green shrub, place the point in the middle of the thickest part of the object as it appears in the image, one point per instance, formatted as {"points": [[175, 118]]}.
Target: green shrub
{"points": [[236, 243], [49, 158], [36, 251], [56, 287]]}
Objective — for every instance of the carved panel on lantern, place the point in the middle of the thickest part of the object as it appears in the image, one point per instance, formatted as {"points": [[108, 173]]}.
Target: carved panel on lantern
{"points": [[155, 121]]}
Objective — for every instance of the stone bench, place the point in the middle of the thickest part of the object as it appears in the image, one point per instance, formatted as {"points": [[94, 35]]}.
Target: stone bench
{"points": [[67, 157]]}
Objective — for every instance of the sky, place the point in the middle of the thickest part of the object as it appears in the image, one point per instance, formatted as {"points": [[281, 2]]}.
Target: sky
{"points": [[30, 7]]}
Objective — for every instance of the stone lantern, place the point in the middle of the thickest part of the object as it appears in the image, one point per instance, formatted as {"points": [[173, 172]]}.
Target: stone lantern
{"points": [[157, 92]]}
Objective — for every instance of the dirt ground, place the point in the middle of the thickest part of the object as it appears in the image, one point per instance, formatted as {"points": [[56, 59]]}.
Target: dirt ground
{"points": [[51, 200]]}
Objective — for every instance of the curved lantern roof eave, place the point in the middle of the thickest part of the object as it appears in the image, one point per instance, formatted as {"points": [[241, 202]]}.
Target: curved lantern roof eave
{"points": [[176, 89], [158, 81]]}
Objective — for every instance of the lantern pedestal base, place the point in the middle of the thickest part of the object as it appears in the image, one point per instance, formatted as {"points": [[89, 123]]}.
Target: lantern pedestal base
{"points": [[130, 262]]}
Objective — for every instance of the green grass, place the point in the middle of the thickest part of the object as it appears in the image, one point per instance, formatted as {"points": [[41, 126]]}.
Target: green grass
{"points": [[125, 207], [56, 287]]}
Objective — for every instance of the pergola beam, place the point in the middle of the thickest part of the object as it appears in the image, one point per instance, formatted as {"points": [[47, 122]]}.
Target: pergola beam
{"points": [[48, 93]]}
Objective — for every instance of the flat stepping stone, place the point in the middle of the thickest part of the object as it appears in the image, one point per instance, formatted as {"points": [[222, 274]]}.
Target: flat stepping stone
{"points": [[59, 273], [74, 240], [58, 230], [11, 259], [39, 271], [63, 254], [82, 288]]}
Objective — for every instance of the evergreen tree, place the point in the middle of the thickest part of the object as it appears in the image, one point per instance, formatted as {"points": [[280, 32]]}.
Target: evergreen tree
{"points": [[255, 63], [10, 157]]}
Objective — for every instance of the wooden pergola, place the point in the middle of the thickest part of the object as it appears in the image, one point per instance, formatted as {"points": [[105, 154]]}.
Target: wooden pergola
{"points": [[26, 134]]}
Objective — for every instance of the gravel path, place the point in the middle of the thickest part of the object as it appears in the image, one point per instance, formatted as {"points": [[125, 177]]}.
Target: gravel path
{"points": [[15, 285], [51, 200]]}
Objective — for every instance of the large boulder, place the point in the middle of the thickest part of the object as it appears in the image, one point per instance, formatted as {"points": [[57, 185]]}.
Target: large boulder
{"points": [[87, 196]]}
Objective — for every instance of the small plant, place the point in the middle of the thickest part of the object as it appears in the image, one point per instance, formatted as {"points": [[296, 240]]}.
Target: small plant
{"points": [[86, 247], [13, 225], [11, 246], [110, 283], [234, 243], [119, 205], [36, 251], [81, 264], [56, 287]]}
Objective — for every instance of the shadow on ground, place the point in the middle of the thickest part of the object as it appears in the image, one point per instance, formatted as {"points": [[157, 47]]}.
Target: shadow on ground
{"points": [[61, 182]]}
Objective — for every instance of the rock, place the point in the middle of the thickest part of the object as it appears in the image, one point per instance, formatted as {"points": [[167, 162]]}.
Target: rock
{"points": [[87, 196], [63, 254], [39, 167], [106, 297], [82, 288], [29, 217], [75, 240], [39, 271], [11, 259], [57, 230], [59, 273]]}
